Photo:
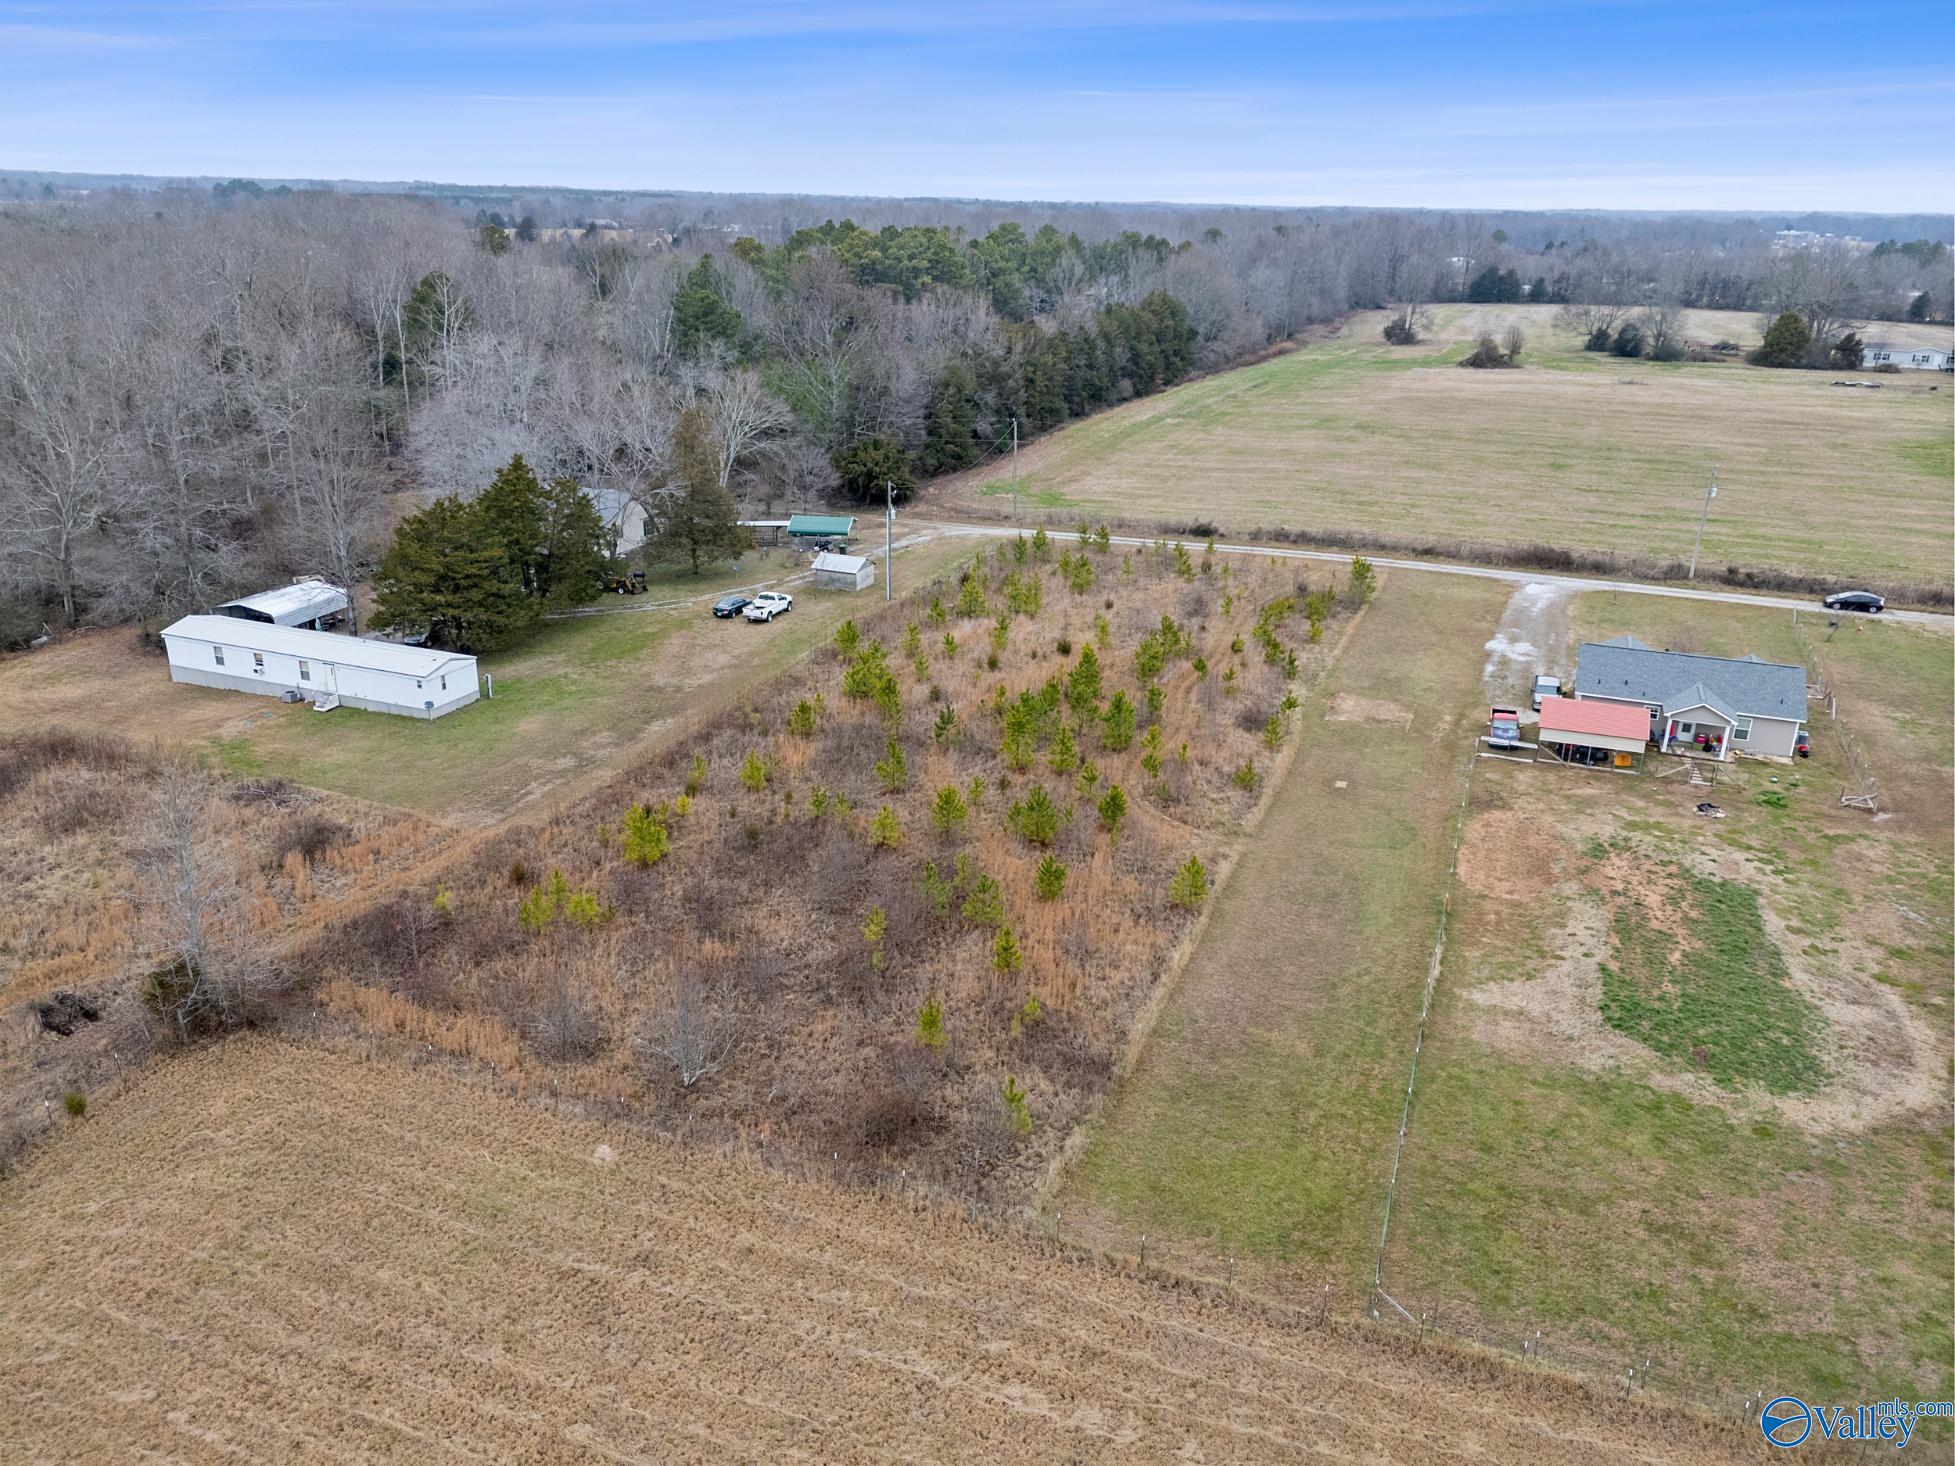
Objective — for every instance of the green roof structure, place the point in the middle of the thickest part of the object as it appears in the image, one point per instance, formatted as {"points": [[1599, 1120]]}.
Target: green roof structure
{"points": [[821, 526]]}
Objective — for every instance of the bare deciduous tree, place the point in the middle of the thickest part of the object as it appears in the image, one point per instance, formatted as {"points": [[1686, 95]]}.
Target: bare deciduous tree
{"points": [[216, 970], [686, 1032]]}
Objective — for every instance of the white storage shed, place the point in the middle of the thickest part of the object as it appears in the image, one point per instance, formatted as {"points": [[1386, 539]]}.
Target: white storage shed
{"points": [[844, 572], [308, 603], [326, 670]]}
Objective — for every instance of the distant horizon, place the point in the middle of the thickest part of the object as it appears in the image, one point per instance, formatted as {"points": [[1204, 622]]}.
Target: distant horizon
{"points": [[414, 185], [1726, 106]]}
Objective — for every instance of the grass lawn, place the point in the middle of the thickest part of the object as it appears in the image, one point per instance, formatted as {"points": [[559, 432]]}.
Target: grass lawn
{"points": [[1710, 1127], [573, 703], [1575, 449], [1259, 1122]]}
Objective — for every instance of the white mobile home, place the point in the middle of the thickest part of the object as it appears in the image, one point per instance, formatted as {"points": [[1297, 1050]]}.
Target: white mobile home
{"points": [[1907, 358], [326, 670], [623, 516], [313, 604]]}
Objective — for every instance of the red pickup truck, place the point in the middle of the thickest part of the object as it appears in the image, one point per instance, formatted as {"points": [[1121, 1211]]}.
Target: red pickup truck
{"points": [[1504, 728]]}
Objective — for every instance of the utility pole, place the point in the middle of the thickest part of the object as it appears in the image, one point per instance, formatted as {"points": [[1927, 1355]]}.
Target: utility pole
{"points": [[888, 538], [1709, 494], [1014, 470]]}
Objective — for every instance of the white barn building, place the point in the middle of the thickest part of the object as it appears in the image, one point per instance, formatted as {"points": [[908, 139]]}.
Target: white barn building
{"points": [[309, 603], [624, 518], [326, 670], [844, 572]]}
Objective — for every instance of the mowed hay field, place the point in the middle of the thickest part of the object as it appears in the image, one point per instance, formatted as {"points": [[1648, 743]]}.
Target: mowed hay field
{"points": [[1575, 450], [270, 1252]]}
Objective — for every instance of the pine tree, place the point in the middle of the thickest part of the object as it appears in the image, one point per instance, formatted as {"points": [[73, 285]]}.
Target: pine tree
{"points": [[700, 312], [699, 524], [447, 574]]}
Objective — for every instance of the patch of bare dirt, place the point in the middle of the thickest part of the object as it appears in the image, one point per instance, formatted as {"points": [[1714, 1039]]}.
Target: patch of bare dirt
{"points": [[1508, 853], [1348, 707]]}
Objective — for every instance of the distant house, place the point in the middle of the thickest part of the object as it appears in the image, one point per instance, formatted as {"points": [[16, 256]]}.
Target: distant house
{"points": [[1720, 705], [624, 518], [844, 572], [323, 669], [313, 604], [1908, 358]]}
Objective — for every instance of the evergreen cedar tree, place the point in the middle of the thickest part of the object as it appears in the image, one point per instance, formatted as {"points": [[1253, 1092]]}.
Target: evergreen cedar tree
{"points": [[473, 576], [1785, 344], [698, 524], [1494, 286]]}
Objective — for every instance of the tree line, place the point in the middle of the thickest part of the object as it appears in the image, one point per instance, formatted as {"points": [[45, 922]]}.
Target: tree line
{"points": [[203, 390]]}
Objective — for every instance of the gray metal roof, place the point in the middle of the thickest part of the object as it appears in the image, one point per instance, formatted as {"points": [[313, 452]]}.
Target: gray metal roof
{"points": [[1697, 695], [1736, 686]]}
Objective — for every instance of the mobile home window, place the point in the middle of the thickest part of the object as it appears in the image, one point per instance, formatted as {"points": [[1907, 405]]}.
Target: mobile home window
{"points": [[305, 670], [258, 662], [217, 652], [1686, 728], [444, 681], [1741, 730]]}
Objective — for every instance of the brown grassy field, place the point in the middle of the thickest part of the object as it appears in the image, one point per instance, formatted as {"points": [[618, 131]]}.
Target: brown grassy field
{"points": [[1259, 1122], [269, 1252], [1575, 450], [816, 942]]}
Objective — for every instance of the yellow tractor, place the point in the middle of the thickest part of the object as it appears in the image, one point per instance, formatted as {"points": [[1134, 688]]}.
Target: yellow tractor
{"points": [[629, 585]]}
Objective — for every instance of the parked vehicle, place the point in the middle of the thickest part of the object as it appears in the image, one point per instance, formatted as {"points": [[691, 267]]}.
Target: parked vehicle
{"points": [[769, 604], [1504, 728], [1545, 686], [1856, 600], [727, 607], [629, 585]]}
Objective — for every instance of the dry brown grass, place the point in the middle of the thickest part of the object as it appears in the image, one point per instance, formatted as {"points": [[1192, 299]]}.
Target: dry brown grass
{"points": [[764, 901], [274, 1253], [1583, 452]]}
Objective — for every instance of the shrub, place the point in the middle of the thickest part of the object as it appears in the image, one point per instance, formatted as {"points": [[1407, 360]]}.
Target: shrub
{"points": [[893, 768], [1083, 684], [1245, 777], [801, 722], [541, 906], [1035, 817], [75, 1103], [1005, 956], [1273, 733], [696, 778], [884, 832], [444, 904], [584, 909], [912, 640], [754, 772], [1785, 343], [1117, 727], [946, 725], [950, 647], [1103, 630], [930, 1024], [1041, 543], [1050, 878], [1189, 888], [970, 595], [847, 638], [948, 813], [1018, 1113], [646, 840], [1112, 809], [938, 616]]}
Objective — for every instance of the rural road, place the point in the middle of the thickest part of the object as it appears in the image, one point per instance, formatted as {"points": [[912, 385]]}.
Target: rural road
{"points": [[1482, 572]]}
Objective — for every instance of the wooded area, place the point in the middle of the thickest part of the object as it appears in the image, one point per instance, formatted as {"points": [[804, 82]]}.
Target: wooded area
{"points": [[202, 389]]}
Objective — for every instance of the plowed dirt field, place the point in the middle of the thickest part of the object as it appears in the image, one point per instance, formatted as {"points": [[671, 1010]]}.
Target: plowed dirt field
{"points": [[264, 1252]]}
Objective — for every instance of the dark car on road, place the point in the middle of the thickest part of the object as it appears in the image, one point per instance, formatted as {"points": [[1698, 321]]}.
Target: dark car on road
{"points": [[1855, 600], [727, 607]]}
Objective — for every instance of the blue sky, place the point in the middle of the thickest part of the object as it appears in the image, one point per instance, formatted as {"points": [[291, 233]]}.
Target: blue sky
{"points": [[1439, 103]]}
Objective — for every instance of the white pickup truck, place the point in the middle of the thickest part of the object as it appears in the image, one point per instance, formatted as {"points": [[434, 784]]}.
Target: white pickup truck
{"points": [[767, 605]]}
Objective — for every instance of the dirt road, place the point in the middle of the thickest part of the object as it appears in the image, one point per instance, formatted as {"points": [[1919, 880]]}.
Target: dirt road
{"points": [[269, 1252]]}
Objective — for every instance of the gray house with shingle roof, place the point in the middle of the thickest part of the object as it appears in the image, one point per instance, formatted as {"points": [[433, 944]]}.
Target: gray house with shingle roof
{"points": [[1721, 705]]}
